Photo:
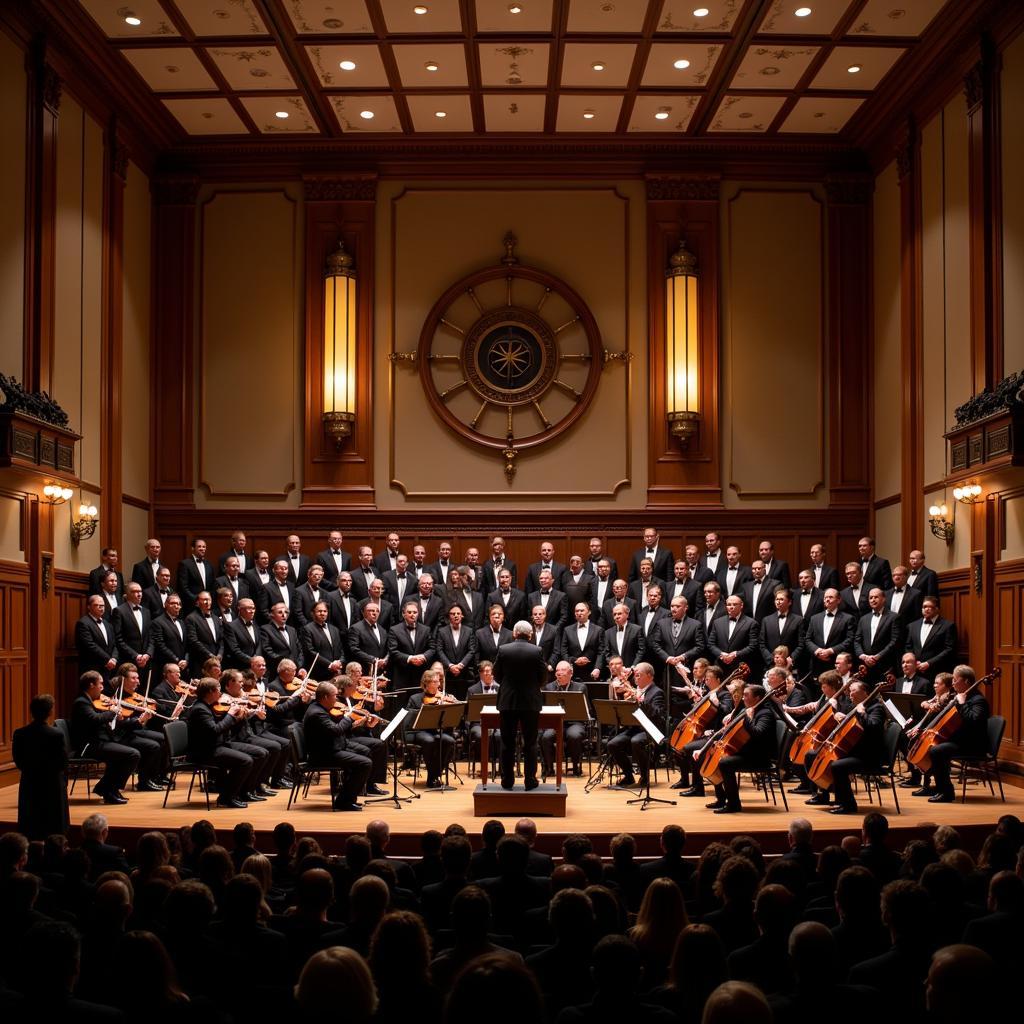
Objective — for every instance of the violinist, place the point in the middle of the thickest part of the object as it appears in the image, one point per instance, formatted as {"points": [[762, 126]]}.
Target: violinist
{"points": [[91, 735], [831, 683], [486, 685], [281, 713], [354, 693], [930, 706], [437, 750], [759, 749], [248, 734], [796, 698], [865, 756], [630, 745], [970, 738], [166, 694], [574, 731], [720, 697], [132, 730]]}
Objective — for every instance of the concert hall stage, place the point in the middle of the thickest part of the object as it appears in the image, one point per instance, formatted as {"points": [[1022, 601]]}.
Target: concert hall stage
{"points": [[600, 814]]}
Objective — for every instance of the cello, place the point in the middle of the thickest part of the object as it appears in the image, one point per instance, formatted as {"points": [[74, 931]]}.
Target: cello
{"points": [[843, 738], [820, 724], [729, 740], [693, 725], [944, 726]]}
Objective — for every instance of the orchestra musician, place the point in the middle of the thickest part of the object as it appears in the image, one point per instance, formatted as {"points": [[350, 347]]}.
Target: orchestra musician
{"points": [[131, 731], [355, 692], [720, 697], [629, 747], [575, 731], [831, 683], [437, 750], [485, 685], [331, 748], [930, 707], [91, 735]]}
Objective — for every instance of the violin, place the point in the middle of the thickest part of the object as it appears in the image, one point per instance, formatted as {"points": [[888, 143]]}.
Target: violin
{"points": [[225, 703], [440, 698], [729, 740], [696, 723], [185, 688], [944, 726], [821, 723]]}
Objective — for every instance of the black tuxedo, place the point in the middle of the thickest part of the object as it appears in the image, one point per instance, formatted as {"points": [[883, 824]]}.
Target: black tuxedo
{"points": [[38, 751], [719, 611], [574, 733], [515, 607], [577, 592], [208, 741], [488, 574], [779, 571], [910, 604], [887, 645], [486, 649], [277, 646], [590, 565], [689, 645], [240, 588], [91, 735], [939, 650], [691, 589], [325, 559], [362, 645], [550, 643], [877, 572], [433, 615], [341, 616], [840, 639], [258, 592], [144, 573], [705, 566], [853, 607], [814, 605], [388, 616], [791, 635], [295, 578], [630, 745], [765, 604], [245, 561], [462, 654], [609, 606], [402, 647], [168, 645], [274, 593], [925, 580], [663, 560], [593, 649], [743, 643], [191, 582], [827, 579], [597, 600], [558, 572], [153, 601], [636, 591], [204, 639], [96, 578], [239, 647], [390, 581], [131, 641], [649, 619], [743, 576], [95, 650], [634, 643], [360, 581], [382, 562], [474, 618], [110, 604], [315, 641], [557, 607], [521, 674], [304, 599]]}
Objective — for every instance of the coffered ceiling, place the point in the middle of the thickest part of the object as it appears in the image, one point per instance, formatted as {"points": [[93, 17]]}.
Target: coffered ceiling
{"points": [[337, 68]]}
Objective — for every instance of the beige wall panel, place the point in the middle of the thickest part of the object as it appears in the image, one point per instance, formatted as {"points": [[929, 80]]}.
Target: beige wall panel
{"points": [[939, 554], [957, 258], [135, 448], [887, 336], [1013, 546], [134, 533], [933, 252], [250, 343], [887, 533], [592, 237], [66, 554], [773, 348], [12, 543], [12, 210], [1012, 84]]}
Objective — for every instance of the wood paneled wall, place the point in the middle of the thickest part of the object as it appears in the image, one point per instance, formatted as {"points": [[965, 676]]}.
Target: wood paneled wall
{"points": [[15, 671]]}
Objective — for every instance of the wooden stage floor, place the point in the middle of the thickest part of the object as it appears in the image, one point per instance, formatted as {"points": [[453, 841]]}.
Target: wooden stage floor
{"points": [[601, 814]]}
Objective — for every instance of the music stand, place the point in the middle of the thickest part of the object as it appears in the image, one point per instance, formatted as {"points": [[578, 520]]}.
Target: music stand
{"points": [[475, 703], [908, 704], [654, 735], [437, 718], [397, 800], [574, 704], [615, 714]]}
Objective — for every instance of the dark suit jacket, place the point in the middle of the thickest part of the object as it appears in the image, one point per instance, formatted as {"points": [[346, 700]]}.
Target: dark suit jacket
{"points": [[557, 606], [238, 647], [691, 589], [814, 605], [743, 575], [360, 584], [363, 647], [926, 581], [337, 613], [151, 601], [142, 573], [390, 581], [440, 580], [521, 674], [663, 562], [245, 562], [489, 574], [93, 651], [592, 649], [591, 566], [939, 651], [278, 646], [910, 604], [108, 608], [240, 588], [596, 601], [854, 608], [791, 635], [96, 581], [485, 647], [478, 615], [38, 751], [433, 615], [690, 645], [829, 578], [887, 646], [201, 644], [878, 573], [205, 732], [325, 559], [634, 643], [303, 601], [576, 592], [168, 647], [636, 590], [608, 607], [382, 562], [744, 642], [313, 642], [401, 647], [304, 563], [840, 636], [515, 608], [718, 613], [87, 725], [130, 641], [258, 592], [550, 644], [389, 614], [647, 622], [464, 653], [765, 599], [779, 571], [532, 583], [190, 582], [274, 593]]}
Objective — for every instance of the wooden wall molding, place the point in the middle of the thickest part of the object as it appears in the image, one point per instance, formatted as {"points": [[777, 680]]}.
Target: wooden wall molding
{"points": [[16, 675]]}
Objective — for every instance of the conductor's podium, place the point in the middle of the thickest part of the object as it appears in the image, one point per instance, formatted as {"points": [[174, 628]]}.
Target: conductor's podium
{"points": [[490, 800]]}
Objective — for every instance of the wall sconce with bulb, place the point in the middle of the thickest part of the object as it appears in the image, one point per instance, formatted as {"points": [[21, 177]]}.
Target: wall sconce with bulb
{"points": [[55, 494], [969, 494], [85, 526], [339, 415], [941, 526], [682, 353]]}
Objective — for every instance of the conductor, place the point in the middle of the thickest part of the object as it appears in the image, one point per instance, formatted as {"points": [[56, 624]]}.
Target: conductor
{"points": [[522, 673]]}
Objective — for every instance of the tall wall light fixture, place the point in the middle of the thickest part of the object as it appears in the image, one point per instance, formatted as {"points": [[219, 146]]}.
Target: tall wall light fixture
{"points": [[339, 413], [681, 345]]}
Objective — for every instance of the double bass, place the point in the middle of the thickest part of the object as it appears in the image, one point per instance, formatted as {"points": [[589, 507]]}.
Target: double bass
{"points": [[843, 738], [944, 726], [729, 740], [695, 724], [820, 724]]}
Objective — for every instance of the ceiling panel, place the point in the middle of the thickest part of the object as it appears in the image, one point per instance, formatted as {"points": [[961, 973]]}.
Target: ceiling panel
{"points": [[821, 114], [678, 107], [573, 111], [680, 16], [513, 64], [110, 15], [415, 60], [352, 111], [368, 72], [210, 115], [252, 67], [265, 111], [875, 62], [896, 17], [746, 113], [773, 67], [523, 112], [171, 69], [822, 19], [661, 70], [426, 112], [597, 65], [401, 16], [223, 18], [511, 18], [322, 17], [606, 15]]}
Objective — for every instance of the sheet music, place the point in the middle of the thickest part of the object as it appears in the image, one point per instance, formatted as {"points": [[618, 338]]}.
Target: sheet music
{"points": [[648, 726], [895, 714], [394, 724]]}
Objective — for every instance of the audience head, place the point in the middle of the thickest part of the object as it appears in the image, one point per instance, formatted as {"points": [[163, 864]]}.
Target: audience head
{"points": [[333, 977], [500, 982], [737, 1002]]}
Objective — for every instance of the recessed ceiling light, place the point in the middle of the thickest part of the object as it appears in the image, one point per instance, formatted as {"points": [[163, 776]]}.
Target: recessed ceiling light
{"points": [[589, 115], [419, 9], [680, 64], [131, 19], [661, 115], [366, 115], [514, 9], [281, 114], [347, 65], [700, 12], [440, 113], [598, 65], [802, 12], [431, 65], [853, 69]]}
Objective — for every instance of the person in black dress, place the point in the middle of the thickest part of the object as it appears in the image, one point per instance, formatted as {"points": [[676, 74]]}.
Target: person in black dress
{"points": [[38, 751]]}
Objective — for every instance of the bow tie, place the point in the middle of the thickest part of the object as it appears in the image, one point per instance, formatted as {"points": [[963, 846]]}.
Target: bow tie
{"points": [[650, 552]]}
